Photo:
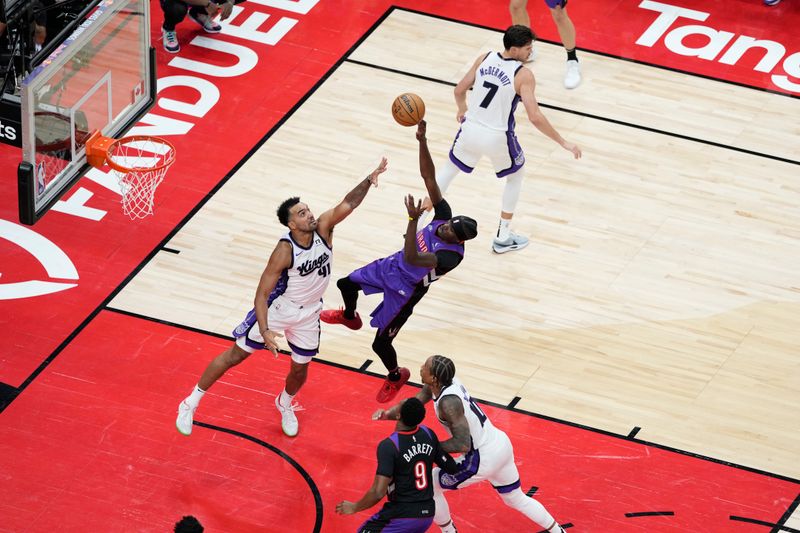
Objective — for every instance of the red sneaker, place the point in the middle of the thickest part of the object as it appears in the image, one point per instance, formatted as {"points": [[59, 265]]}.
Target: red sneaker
{"points": [[336, 316], [390, 388]]}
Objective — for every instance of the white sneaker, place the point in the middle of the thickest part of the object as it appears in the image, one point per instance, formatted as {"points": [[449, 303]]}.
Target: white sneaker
{"points": [[170, 39], [573, 76], [289, 423], [513, 242], [531, 57], [207, 23], [185, 417]]}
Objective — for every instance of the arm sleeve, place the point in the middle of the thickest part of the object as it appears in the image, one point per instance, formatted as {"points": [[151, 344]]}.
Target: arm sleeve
{"points": [[386, 455], [442, 211], [446, 260], [443, 459]]}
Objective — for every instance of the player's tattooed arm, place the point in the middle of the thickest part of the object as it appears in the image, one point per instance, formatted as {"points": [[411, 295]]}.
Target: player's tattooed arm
{"points": [[353, 199], [451, 411], [425, 395]]}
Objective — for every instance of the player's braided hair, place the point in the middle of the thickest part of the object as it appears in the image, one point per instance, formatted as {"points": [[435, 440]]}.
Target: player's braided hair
{"points": [[443, 369]]}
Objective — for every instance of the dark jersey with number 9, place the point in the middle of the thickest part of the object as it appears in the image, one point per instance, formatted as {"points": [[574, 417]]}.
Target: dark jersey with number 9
{"points": [[408, 458]]}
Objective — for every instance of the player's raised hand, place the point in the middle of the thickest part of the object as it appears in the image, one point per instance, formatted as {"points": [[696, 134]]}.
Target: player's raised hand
{"points": [[380, 414], [270, 342], [572, 147], [345, 507], [422, 129], [381, 168], [414, 207]]}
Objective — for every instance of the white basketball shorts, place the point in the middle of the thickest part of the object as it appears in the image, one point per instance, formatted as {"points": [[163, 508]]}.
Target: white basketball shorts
{"points": [[298, 323]]}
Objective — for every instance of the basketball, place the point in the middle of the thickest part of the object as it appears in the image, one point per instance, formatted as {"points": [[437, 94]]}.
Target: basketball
{"points": [[408, 109]]}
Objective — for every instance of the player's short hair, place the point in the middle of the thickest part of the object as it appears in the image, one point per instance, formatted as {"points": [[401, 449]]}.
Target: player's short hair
{"points": [[464, 227], [443, 369], [518, 35], [283, 209], [412, 412], [188, 524]]}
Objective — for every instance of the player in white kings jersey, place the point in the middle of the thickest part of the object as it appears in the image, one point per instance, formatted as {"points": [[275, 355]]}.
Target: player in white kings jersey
{"points": [[499, 81], [488, 454], [288, 299]]}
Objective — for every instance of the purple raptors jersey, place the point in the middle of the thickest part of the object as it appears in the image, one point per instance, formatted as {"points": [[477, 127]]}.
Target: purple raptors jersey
{"points": [[403, 284], [427, 241]]}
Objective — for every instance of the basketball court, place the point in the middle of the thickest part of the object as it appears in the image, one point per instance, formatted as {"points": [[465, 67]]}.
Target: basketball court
{"points": [[641, 352]]}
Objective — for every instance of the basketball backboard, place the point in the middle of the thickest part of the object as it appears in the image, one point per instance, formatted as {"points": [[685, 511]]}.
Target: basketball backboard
{"points": [[101, 78]]}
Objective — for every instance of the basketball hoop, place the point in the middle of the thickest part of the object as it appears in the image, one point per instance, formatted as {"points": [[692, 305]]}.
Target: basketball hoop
{"points": [[139, 161]]}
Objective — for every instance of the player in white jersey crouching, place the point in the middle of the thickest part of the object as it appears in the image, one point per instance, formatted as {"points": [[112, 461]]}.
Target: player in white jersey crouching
{"points": [[288, 299], [488, 454]]}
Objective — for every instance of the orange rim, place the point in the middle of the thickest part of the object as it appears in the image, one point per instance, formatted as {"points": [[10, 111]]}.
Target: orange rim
{"points": [[100, 151]]}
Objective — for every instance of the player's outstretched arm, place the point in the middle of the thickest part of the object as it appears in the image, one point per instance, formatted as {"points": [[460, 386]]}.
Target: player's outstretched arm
{"points": [[393, 413], [280, 260], [411, 252], [525, 83], [375, 493], [451, 410], [353, 199], [426, 168]]}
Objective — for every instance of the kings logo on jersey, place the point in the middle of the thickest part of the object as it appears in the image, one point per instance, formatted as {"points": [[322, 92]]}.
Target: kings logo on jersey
{"points": [[310, 266]]}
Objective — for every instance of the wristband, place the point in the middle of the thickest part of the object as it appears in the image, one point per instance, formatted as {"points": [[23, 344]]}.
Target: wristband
{"points": [[410, 218]]}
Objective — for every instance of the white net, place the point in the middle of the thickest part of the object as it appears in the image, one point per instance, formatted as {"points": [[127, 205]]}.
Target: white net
{"points": [[140, 164]]}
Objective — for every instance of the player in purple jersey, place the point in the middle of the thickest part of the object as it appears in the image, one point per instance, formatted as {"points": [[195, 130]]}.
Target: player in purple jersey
{"points": [[288, 300], [405, 464], [404, 277]]}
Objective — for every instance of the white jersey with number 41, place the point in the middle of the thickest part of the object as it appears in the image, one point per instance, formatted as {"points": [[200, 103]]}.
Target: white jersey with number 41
{"points": [[305, 281]]}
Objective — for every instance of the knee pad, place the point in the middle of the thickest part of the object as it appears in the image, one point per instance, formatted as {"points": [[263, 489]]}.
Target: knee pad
{"points": [[515, 499]]}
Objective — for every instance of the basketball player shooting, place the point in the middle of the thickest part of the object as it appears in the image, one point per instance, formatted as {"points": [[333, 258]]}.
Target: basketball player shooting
{"points": [[405, 276]]}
